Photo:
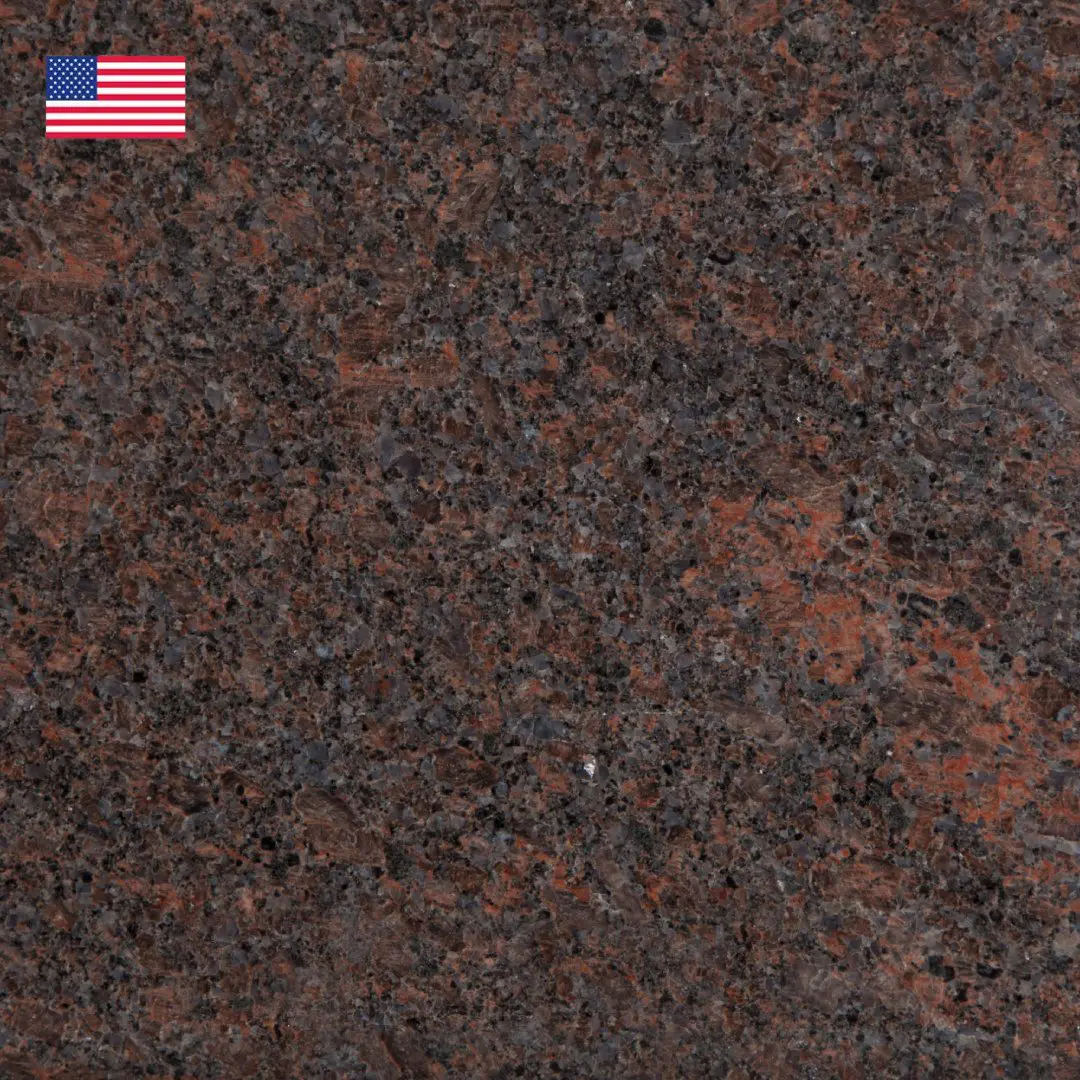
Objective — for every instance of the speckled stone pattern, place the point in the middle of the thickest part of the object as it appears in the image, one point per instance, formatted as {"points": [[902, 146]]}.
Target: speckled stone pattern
{"points": [[542, 541]]}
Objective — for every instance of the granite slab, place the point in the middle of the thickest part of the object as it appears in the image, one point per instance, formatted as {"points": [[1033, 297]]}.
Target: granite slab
{"points": [[542, 540]]}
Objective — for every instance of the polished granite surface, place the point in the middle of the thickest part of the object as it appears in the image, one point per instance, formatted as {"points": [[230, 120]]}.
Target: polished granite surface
{"points": [[543, 540]]}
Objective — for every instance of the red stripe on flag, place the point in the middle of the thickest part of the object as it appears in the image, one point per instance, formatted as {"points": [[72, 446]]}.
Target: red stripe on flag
{"points": [[116, 135], [115, 105], [90, 113], [138, 59], [117, 123]]}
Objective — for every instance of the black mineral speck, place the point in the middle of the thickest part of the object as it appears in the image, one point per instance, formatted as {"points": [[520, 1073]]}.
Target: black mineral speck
{"points": [[655, 30], [959, 612]]}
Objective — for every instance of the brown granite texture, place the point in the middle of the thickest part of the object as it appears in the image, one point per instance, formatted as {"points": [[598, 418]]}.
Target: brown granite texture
{"points": [[543, 540]]}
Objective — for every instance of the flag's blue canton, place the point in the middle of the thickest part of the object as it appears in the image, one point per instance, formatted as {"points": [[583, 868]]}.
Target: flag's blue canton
{"points": [[71, 78]]}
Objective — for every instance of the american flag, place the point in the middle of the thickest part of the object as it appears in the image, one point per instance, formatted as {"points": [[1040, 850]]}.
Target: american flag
{"points": [[114, 97]]}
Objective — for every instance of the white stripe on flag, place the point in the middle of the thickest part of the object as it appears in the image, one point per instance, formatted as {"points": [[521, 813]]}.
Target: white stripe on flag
{"points": [[142, 77], [88, 129], [138, 103], [146, 91], [144, 65], [174, 116]]}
